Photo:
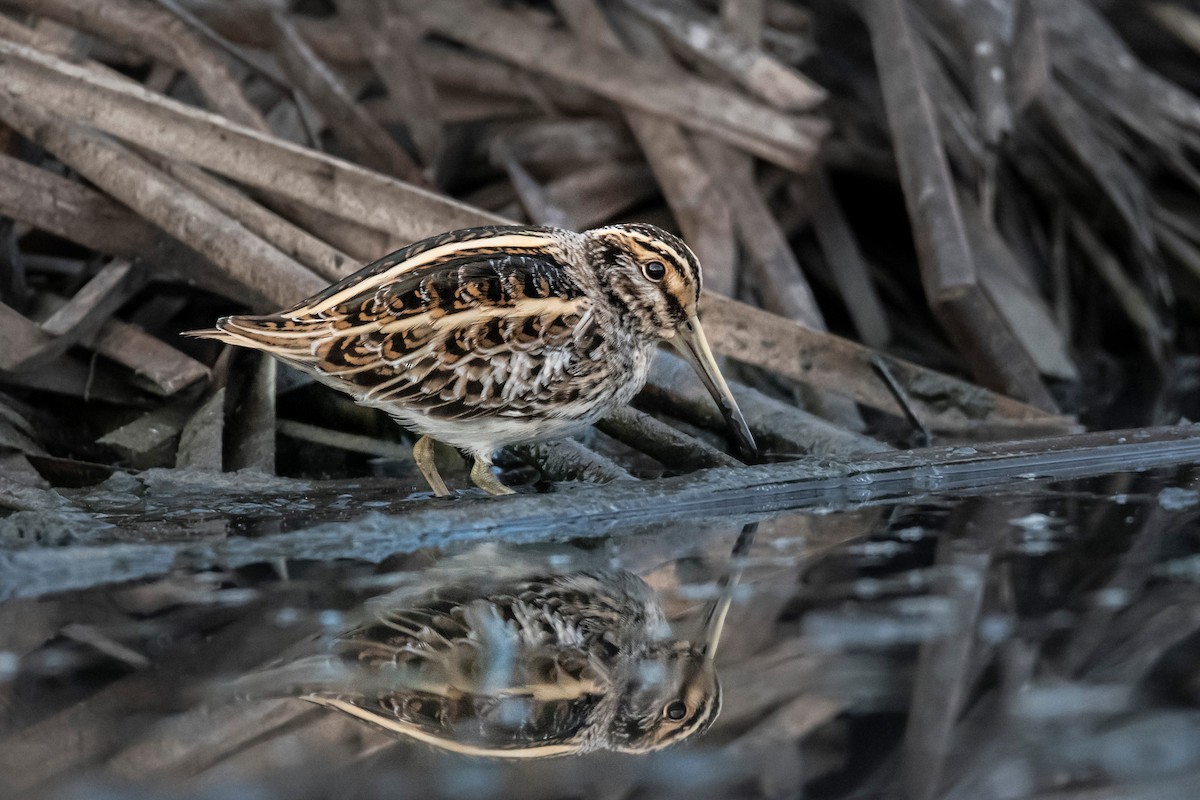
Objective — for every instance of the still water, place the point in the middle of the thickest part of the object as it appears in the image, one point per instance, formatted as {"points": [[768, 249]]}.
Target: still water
{"points": [[1041, 642]]}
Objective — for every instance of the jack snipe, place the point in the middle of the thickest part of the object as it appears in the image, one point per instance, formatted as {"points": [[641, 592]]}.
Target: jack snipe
{"points": [[486, 337], [528, 666]]}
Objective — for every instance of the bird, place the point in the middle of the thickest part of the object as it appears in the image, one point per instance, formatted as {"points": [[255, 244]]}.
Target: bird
{"points": [[527, 665], [491, 336]]}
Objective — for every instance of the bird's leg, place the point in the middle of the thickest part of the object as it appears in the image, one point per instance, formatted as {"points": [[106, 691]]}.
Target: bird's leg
{"points": [[423, 454], [482, 475]]}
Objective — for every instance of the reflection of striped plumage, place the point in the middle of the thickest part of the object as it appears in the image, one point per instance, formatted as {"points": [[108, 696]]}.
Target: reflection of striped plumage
{"points": [[528, 667], [485, 337]]}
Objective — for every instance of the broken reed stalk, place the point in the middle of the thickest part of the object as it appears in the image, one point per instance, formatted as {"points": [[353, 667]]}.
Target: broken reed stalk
{"points": [[150, 29], [364, 139], [177, 131], [788, 140], [390, 43], [943, 403], [780, 428], [274, 278], [661, 441], [948, 274], [78, 214], [568, 460], [846, 262], [782, 287], [743, 62], [323, 259]]}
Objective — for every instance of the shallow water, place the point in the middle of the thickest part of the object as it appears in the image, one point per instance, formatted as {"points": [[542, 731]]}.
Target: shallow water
{"points": [[1039, 640]]}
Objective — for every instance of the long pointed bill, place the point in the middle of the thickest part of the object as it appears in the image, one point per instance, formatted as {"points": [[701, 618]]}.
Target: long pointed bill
{"points": [[689, 340], [714, 621]]}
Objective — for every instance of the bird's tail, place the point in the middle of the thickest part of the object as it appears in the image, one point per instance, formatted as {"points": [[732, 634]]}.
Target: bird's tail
{"points": [[282, 337]]}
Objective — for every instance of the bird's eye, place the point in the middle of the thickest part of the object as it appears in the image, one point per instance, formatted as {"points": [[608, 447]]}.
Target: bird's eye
{"points": [[675, 710], [654, 271]]}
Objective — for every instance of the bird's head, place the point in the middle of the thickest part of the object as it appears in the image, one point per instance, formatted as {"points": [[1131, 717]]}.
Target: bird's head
{"points": [[653, 280], [666, 696]]}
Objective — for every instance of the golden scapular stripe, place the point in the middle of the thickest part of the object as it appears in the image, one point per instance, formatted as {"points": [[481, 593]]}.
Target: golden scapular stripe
{"points": [[421, 735], [506, 241]]}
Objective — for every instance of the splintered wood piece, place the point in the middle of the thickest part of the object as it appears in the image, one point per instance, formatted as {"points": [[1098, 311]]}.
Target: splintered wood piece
{"points": [[94, 303], [356, 130], [689, 100], [200, 441], [252, 428], [23, 339], [830, 362], [159, 367], [71, 322], [85, 380], [948, 272], [149, 434], [701, 36]]}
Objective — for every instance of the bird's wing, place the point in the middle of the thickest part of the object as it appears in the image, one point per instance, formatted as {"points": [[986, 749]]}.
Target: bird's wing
{"points": [[457, 326]]}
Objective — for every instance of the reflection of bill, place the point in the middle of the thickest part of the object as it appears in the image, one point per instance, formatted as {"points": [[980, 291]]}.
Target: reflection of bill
{"points": [[529, 667]]}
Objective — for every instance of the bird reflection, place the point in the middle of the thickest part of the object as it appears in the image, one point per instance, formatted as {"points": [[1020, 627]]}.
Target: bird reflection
{"points": [[514, 663]]}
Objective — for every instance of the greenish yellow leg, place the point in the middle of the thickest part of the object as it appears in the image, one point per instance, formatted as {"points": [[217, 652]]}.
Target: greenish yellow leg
{"points": [[423, 454], [482, 475]]}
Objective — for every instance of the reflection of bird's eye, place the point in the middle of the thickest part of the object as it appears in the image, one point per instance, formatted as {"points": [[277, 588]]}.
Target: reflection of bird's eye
{"points": [[675, 710], [654, 271]]}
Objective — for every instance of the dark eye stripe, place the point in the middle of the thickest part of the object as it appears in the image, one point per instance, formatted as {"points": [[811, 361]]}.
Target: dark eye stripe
{"points": [[653, 240], [674, 305]]}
